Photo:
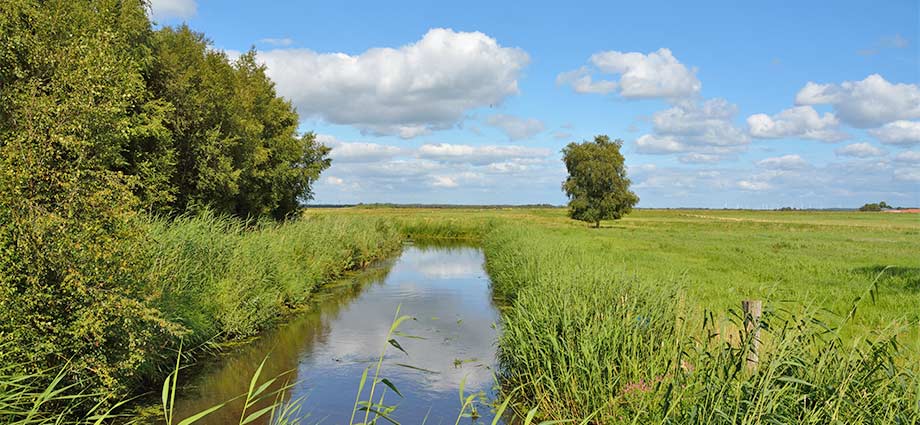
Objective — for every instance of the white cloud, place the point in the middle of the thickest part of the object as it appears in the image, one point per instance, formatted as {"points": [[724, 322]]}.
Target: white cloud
{"points": [[908, 156], [443, 181], [695, 128], [860, 150], [478, 155], [753, 185], [515, 128], [654, 75], [907, 174], [868, 103], [903, 133], [799, 121], [165, 9], [699, 158], [689, 126], [363, 152], [406, 91], [582, 82], [357, 151], [652, 144], [283, 42], [333, 180], [785, 162]]}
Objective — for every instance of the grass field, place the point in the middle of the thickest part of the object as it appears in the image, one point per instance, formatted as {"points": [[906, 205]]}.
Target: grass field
{"points": [[635, 322], [821, 259], [638, 321]]}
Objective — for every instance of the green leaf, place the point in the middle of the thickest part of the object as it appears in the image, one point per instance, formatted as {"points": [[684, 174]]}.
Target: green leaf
{"points": [[395, 343], [387, 382]]}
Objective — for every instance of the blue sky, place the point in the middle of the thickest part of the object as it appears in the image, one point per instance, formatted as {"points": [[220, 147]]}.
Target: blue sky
{"points": [[805, 104]]}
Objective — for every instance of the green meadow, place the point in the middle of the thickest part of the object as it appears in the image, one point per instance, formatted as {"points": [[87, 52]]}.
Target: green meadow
{"points": [[637, 321], [823, 260]]}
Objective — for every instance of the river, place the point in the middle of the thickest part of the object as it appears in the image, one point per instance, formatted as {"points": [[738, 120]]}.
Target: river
{"points": [[445, 290]]}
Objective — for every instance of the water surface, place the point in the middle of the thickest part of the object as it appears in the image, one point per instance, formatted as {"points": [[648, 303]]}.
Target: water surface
{"points": [[444, 289]]}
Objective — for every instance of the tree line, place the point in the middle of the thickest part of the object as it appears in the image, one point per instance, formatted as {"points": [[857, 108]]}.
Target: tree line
{"points": [[105, 120]]}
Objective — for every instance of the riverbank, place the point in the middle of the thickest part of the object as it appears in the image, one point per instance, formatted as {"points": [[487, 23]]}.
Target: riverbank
{"points": [[445, 290], [196, 282], [640, 321]]}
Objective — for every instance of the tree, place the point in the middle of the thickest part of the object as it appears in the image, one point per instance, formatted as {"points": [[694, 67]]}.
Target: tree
{"points": [[235, 140], [597, 185], [72, 102], [874, 206]]}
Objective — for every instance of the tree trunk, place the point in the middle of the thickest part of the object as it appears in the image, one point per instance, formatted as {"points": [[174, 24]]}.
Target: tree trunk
{"points": [[597, 224]]}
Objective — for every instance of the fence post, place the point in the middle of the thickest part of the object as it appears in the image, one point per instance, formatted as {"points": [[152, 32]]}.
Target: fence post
{"points": [[752, 311]]}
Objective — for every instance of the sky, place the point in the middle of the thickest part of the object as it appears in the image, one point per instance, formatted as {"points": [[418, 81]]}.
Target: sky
{"points": [[719, 104]]}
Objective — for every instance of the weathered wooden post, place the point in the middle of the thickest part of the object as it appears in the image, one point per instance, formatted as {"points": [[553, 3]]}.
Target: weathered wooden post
{"points": [[752, 311]]}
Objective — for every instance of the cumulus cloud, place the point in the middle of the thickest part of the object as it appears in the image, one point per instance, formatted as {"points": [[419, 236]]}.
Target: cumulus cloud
{"points": [[860, 150], [478, 155], [166, 9], [799, 121], [357, 151], [902, 133], [753, 185], [447, 173], [693, 127], [654, 75], [653, 144], [515, 128], [845, 183], [700, 158], [443, 181], [407, 91], [785, 162], [907, 174], [908, 156], [868, 103], [582, 82]]}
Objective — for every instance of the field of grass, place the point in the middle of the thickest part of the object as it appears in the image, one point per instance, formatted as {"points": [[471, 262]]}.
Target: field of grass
{"points": [[718, 258], [635, 322], [639, 321]]}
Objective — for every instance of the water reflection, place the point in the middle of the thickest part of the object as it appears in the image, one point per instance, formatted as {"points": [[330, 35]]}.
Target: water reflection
{"points": [[444, 289]]}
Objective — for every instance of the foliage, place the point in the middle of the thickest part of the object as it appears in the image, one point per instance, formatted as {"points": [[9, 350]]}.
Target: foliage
{"points": [[235, 141], [597, 186], [69, 274], [875, 207], [103, 119]]}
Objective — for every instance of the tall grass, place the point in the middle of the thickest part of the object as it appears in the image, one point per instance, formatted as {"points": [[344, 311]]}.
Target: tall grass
{"points": [[602, 325], [209, 279], [222, 278], [581, 338]]}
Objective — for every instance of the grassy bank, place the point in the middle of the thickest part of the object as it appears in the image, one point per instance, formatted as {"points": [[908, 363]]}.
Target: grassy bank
{"points": [[639, 321], [635, 322], [203, 281]]}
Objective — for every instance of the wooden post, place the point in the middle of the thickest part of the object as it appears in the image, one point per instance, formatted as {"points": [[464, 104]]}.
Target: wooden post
{"points": [[752, 311]]}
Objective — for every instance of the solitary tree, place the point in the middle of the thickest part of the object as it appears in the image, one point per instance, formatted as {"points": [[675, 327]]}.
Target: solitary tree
{"points": [[597, 185]]}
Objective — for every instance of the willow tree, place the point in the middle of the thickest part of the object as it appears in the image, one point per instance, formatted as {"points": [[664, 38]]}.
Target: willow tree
{"points": [[597, 186]]}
